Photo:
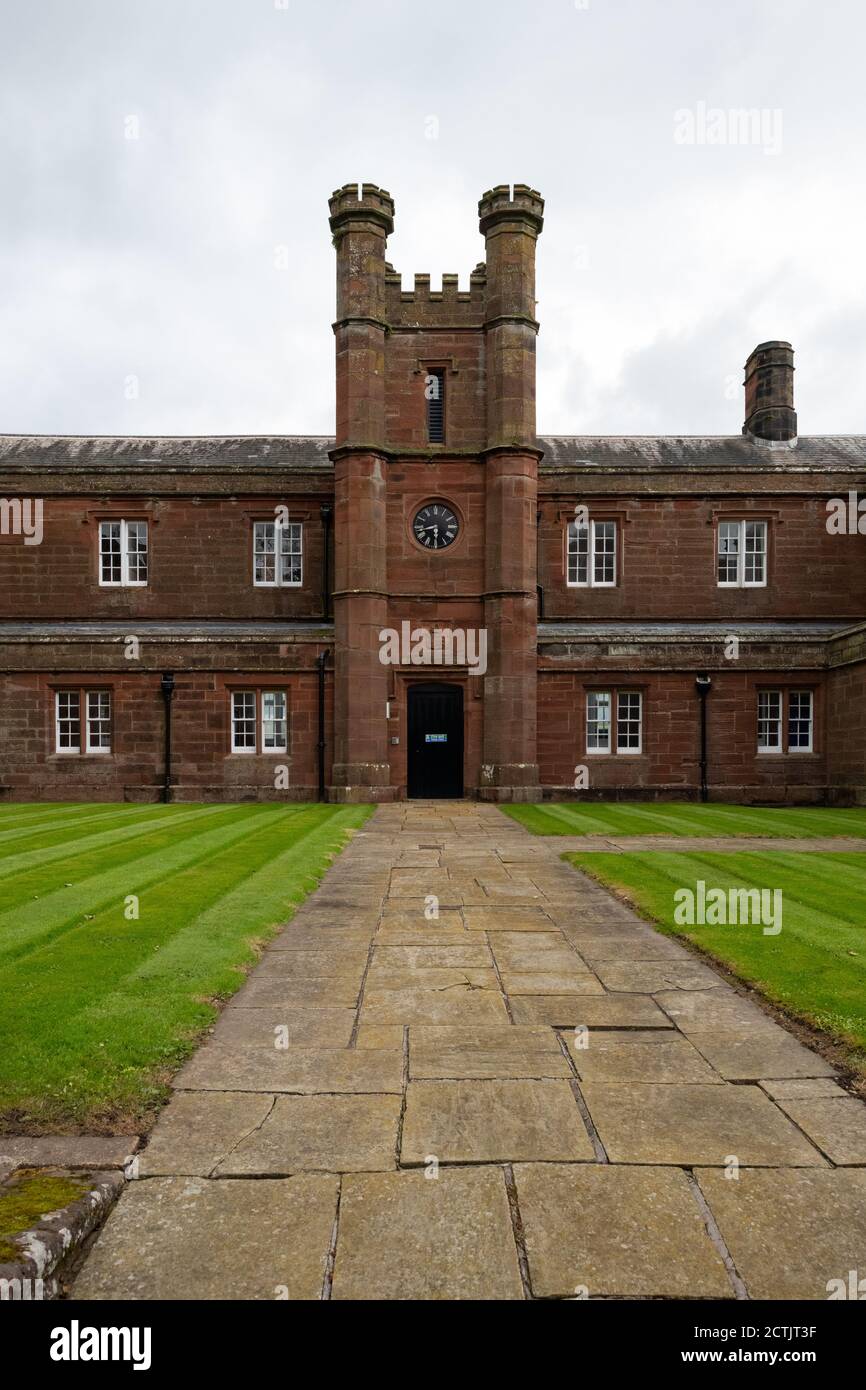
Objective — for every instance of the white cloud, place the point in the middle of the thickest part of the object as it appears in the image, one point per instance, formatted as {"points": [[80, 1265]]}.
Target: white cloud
{"points": [[660, 266]]}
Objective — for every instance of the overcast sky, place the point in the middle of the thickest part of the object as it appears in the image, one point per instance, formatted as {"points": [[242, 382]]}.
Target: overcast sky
{"points": [[143, 281]]}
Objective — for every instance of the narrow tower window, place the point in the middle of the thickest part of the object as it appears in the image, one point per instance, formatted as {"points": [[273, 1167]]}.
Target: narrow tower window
{"points": [[434, 390]]}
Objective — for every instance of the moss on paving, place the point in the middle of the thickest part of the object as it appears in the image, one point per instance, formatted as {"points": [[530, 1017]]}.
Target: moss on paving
{"points": [[98, 1005], [687, 819], [25, 1199]]}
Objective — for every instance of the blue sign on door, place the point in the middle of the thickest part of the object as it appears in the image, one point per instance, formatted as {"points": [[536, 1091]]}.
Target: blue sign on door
{"points": [[435, 738]]}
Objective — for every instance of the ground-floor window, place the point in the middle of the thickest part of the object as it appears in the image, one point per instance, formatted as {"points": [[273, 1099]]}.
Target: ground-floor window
{"points": [[783, 730], [601, 737], [259, 721], [86, 712]]}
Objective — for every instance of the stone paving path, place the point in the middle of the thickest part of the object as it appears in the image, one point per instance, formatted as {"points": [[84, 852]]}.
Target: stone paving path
{"points": [[533, 1095]]}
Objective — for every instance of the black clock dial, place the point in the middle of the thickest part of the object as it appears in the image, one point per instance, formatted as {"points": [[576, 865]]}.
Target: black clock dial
{"points": [[435, 526]]}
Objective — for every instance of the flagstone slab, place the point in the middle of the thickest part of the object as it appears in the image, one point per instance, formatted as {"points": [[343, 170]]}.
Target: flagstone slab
{"points": [[335, 1134], [640, 947], [305, 938], [652, 977], [299, 965], [590, 1011], [467, 953], [801, 1088], [380, 1035], [711, 1011], [301, 1071], [695, 1124], [465, 1053], [459, 1005], [193, 1239], [791, 1232], [198, 1129], [550, 982], [403, 1236], [266, 990], [528, 919], [422, 933], [838, 1127], [615, 1232], [637, 1056], [492, 1122], [754, 1053], [382, 977], [301, 1027], [552, 952]]}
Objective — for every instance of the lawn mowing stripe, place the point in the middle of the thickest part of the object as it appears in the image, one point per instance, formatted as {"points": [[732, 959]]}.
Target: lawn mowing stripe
{"points": [[63, 909], [105, 1057], [816, 966], [32, 827], [74, 848], [683, 819]]}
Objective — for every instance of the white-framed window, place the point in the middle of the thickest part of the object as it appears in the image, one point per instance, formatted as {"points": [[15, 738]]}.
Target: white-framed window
{"points": [[123, 553], [68, 721], [628, 721], [598, 721], [591, 557], [600, 705], [274, 721], [800, 721], [769, 721], [278, 553], [741, 554], [98, 721], [259, 721]]}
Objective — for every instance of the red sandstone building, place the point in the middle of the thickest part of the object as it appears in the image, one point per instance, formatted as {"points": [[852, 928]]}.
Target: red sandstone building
{"points": [[437, 601]]}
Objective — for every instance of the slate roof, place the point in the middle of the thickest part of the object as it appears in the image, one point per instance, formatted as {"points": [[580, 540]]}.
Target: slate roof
{"points": [[303, 453]]}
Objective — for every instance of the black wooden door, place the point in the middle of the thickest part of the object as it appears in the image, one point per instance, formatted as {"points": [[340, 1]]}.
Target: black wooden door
{"points": [[435, 725]]}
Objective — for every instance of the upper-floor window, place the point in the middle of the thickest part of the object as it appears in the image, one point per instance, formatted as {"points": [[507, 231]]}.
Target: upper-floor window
{"points": [[123, 553], [742, 554], [778, 735], [86, 712], [278, 553], [600, 723], [259, 722], [434, 390], [591, 553]]}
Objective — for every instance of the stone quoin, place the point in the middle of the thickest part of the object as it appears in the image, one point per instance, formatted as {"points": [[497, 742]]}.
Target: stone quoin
{"points": [[663, 617]]}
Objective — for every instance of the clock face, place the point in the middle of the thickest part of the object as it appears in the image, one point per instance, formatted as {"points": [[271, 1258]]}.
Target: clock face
{"points": [[435, 526]]}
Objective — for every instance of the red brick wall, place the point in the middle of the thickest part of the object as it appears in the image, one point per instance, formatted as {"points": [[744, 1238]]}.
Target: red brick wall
{"points": [[669, 762], [846, 733], [200, 562], [667, 561], [203, 766]]}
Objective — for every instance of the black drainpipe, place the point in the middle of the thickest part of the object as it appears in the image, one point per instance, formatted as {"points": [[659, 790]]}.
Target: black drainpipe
{"points": [[320, 664], [166, 685], [702, 685], [326, 511]]}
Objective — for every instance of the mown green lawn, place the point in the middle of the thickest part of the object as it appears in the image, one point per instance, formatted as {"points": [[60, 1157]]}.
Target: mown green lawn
{"points": [[816, 966], [98, 1008], [684, 818]]}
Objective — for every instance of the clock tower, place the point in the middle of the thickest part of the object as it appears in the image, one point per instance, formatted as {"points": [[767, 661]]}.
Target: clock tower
{"points": [[435, 462]]}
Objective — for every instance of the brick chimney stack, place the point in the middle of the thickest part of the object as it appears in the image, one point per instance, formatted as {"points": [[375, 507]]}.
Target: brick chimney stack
{"points": [[769, 383]]}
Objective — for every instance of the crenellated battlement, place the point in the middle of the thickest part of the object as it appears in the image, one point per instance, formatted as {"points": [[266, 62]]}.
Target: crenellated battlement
{"points": [[506, 204], [354, 203], [423, 307]]}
